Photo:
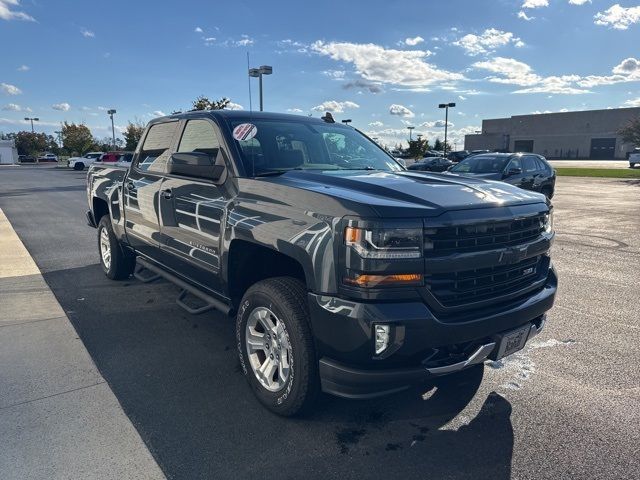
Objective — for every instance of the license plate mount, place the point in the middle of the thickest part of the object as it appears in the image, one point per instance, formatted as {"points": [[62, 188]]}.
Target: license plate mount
{"points": [[513, 341]]}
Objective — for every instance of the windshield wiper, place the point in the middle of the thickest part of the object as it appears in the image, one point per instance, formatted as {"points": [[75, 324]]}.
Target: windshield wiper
{"points": [[368, 167]]}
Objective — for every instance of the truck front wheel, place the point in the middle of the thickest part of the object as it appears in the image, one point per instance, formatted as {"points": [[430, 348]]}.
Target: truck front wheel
{"points": [[276, 346], [115, 262]]}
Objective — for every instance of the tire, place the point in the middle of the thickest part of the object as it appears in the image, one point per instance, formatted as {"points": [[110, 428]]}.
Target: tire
{"points": [[547, 192], [119, 264], [282, 303], [632, 165], [78, 166]]}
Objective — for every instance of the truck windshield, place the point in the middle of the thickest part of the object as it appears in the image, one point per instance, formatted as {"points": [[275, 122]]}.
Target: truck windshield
{"points": [[481, 164], [280, 146]]}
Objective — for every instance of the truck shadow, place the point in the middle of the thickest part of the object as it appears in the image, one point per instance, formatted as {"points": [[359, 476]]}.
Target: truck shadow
{"points": [[178, 379]]}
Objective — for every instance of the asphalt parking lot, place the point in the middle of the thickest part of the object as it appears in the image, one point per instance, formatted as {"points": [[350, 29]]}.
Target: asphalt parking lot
{"points": [[568, 406]]}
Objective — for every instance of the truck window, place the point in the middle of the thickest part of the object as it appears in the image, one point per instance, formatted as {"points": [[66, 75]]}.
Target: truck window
{"points": [[200, 136], [155, 150]]}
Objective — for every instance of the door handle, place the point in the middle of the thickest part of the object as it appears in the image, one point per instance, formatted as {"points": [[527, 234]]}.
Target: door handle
{"points": [[131, 186], [167, 193]]}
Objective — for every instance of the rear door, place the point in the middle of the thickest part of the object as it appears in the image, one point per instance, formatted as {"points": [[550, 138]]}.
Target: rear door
{"points": [[192, 210], [530, 171], [142, 186]]}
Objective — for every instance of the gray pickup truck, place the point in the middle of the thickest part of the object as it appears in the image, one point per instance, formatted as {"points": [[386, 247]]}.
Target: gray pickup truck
{"points": [[345, 272]]}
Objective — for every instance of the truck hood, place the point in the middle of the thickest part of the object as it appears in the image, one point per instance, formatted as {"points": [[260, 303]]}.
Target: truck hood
{"points": [[406, 193]]}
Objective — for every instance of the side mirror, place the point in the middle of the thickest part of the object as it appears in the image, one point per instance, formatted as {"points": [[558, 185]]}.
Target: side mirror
{"points": [[513, 171], [195, 165]]}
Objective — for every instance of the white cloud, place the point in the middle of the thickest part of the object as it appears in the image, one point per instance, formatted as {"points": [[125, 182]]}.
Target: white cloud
{"points": [[435, 124], [198, 30], [294, 110], [401, 111], [462, 97], [535, 3], [412, 42], [234, 106], [335, 74], [629, 66], [522, 15], [6, 12], [513, 72], [579, 2], [335, 107], [378, 64], [14, 107], [87, 33], [245, 41], [158, 113], [208, 41], [618, 17], [10, 89], [23, 68], [63, 107], [487, 42], [632, 102], [376, 124]]}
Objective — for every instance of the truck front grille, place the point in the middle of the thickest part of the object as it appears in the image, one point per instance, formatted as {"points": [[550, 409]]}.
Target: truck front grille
{"points": [[482, 236], [454, 289]]}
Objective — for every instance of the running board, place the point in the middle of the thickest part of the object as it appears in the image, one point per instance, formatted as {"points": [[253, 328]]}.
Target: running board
{"points": [[137, 274], [210, 303]]}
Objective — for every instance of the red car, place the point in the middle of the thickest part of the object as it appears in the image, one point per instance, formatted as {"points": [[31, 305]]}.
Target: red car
{"points": [[116, 157]]}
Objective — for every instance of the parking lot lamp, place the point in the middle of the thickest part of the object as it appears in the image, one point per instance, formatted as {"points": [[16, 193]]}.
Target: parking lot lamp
{"points": [[346, 121], [446, 123], [258, 73], [410, 130], [113, 130], [32, 119]]}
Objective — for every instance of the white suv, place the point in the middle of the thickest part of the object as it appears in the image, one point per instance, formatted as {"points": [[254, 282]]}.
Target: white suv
{"points": [[634, 159], [79, 163]]}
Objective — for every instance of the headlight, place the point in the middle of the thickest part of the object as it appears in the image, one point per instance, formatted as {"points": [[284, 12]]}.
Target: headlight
{"points": [[385, 243], [548, 222]]}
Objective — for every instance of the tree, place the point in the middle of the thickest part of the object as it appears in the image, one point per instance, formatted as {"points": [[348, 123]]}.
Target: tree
{"points": [[418, 148], [631, 132], [132, 135], [28, 143], [203, 103], [77, 138]]}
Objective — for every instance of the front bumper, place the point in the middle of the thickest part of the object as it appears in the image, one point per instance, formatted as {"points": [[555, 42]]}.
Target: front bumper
{"points": [[344, 338]]}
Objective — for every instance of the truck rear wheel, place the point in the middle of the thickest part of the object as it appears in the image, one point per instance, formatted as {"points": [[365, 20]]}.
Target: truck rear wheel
{"points": [[275, 345], [115, 262]]}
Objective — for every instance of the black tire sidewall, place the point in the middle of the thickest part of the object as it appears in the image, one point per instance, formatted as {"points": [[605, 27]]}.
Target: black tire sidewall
{"points": [[281, 401], [78, 166], [121, 265]]}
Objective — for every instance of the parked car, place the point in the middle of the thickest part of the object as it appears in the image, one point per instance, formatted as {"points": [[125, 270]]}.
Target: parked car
{"points": [[431, 164], [332, 258], [458, 156], [434, 153], [115, 156], [47, 157], [26, 159], [477, 152], [634, 159], [524, 170], [80, 163]]}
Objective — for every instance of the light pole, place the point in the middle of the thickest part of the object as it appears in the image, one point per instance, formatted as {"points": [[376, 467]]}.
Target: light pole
{"points": [[113, 130], [346, 121], [32, 119], [258, 73], [446, 123], [410, 130]]}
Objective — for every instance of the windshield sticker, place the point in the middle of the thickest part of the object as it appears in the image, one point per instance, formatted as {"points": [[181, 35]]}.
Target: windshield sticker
{"points": [[245, 131]]}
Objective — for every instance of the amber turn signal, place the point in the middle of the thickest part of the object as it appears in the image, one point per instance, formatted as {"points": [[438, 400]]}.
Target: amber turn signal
{"points": [[369, 281]]}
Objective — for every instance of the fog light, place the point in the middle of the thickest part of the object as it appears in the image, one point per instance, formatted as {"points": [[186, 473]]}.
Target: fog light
{"points": [[382, 337]]}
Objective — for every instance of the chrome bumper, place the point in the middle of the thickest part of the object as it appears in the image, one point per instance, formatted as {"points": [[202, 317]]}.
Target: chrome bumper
{"points": [[482, 352]]}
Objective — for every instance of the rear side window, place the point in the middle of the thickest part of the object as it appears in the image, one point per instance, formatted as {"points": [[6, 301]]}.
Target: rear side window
{"points": [[530, 164], [542, 166], [155, 151], [199, 136]]}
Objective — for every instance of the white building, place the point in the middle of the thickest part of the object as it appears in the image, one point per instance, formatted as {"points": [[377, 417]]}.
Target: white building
{"points": [[8, 152]]}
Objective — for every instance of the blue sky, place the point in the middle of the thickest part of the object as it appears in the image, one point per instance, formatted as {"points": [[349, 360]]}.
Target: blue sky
{"points": [[384, 64]]}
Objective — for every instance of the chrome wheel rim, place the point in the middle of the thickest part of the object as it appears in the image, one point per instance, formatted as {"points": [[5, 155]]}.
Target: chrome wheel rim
{"points": [[268, 349], [105, 248]]}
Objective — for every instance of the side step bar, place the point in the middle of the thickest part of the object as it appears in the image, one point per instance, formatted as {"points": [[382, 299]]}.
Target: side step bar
{"points": [[210, 302]]}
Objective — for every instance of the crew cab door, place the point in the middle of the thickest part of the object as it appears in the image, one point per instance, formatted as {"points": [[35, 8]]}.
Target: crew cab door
{"points": [[530, 171], [142, 186], [193, 205]]}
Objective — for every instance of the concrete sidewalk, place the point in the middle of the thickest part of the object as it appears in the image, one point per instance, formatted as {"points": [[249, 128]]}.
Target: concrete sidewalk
{"points": [[58, 417]]}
